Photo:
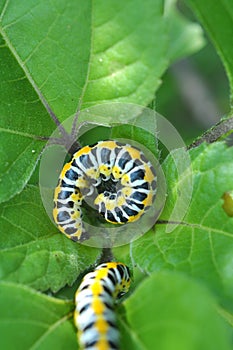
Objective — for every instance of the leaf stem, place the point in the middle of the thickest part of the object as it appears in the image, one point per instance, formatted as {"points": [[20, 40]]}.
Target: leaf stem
{"points": [[221, 129], [106, 255]]}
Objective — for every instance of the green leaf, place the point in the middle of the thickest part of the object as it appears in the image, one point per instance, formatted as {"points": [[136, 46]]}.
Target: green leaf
{"points": [[55, 49], [89, 51], [202, 244], [93, 51], [22, 120], [126, 62], [169, 311], [124, 121], [185, 37], [217, 18], [30, 320], [71, 55], [32, 251], [136, 134]]}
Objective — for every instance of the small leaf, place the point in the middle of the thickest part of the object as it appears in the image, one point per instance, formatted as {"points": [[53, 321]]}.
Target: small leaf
{"points": [[202, 244], [30, 320], [33, 251], [169, 311]]}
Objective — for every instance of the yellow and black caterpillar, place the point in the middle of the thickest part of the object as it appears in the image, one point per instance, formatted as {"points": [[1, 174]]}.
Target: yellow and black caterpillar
{"points": [[94, 315], [119, 176]]}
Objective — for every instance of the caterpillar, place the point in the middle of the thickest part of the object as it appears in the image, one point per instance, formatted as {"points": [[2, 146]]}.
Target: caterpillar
{"points": [[94, 314], [119, 176]]}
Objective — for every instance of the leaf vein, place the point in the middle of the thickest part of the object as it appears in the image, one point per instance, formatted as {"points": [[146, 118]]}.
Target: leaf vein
{"points": [[50, 329], [4, 9]]}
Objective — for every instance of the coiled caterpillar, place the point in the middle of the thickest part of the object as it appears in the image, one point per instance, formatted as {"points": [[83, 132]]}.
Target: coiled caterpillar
{"points": [[119, 176]]}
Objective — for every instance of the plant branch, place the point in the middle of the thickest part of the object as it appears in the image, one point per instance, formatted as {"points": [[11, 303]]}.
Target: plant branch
{"points": [[221, 129]]}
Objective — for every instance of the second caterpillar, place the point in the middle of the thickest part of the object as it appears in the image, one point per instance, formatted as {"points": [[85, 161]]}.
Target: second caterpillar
{"points": [[94, 315]]}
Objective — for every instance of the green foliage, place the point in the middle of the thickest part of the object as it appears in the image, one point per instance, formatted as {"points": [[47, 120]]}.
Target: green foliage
{"points": [[202, 245], [170, 311], [69, 56], [30, 320], [217, 18], [32, 251]]}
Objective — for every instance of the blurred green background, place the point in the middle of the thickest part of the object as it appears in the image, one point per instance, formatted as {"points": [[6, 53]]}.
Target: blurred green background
{"points": [[194, 91]]}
